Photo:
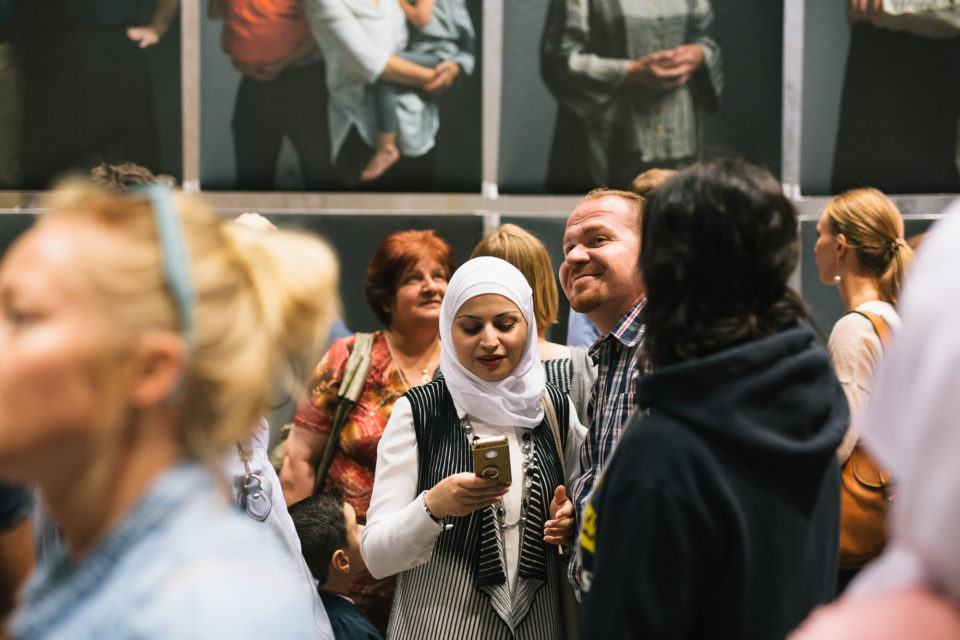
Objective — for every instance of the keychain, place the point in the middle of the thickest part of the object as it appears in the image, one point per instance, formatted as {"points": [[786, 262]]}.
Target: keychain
{"points": [[255, 496]]}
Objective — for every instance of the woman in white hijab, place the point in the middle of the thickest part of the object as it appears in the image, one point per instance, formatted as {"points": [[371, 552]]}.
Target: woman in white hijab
{"points": [[912, 590], [476, 558]]}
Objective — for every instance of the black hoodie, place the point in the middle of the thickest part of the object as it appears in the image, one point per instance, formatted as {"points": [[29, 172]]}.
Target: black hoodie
{"points": [[718, 515]]}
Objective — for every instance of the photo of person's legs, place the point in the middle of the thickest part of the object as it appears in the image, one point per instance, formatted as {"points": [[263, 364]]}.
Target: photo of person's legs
{"points": [[387, 153], [385, 97]]}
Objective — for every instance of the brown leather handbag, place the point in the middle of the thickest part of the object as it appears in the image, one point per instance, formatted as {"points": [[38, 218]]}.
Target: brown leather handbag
{"points": [[865, 493]]}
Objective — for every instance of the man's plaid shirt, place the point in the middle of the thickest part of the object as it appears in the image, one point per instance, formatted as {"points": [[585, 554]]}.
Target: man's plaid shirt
{"points": [[611, 402]]}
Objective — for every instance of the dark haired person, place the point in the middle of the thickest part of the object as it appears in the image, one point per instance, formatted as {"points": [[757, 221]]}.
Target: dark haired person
{"points": [[330, 540], [405, 284], [718, 515], [123, 176]]}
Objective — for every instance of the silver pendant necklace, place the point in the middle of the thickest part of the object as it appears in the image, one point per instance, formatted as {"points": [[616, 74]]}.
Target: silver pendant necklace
{"points": [[526, 465]]}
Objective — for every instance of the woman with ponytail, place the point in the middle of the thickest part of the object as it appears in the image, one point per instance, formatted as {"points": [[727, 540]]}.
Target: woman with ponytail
{"points": [[861, 251], [140, 337]]}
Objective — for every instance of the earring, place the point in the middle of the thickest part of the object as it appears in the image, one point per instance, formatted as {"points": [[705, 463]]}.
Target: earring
{"points": [[836, 279]]}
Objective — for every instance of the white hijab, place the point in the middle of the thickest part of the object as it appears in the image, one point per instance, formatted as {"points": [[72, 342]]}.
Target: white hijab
{"points": [[514, 401], [912, 425]]}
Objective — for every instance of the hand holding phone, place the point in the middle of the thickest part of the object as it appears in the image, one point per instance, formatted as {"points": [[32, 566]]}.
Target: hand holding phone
{"points": [[461, 494]]}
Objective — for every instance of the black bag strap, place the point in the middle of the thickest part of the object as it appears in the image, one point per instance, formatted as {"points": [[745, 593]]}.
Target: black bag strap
{"points": [[352, 381]]}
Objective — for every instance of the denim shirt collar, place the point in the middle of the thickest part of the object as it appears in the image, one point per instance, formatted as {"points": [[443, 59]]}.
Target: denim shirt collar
{"points": [[61, 579]]}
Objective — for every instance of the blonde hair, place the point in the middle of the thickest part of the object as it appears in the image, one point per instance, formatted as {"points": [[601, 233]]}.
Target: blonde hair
{"points": [[873, 226], [261, 299], [523, 250]]}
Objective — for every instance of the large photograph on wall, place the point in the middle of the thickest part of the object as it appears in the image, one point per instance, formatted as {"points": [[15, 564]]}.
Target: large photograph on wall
{"points": [[598, 91], [881, 97], [85, 84], [341, 95]]}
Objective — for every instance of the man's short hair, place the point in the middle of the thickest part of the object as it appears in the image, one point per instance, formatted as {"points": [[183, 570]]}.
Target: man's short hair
{"points": [[322, 529], [636, 202]]}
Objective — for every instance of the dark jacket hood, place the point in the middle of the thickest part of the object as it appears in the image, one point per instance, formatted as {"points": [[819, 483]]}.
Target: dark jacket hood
{"points": [[774, 401]]}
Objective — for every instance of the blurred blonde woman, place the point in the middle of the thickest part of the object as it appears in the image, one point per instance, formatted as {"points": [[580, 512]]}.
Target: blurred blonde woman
{"points": [[140, 337], [569, 368]]}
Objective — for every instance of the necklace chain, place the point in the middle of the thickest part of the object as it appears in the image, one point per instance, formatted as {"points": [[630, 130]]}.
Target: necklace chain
{"points": [[425, 375], [527, 464]]}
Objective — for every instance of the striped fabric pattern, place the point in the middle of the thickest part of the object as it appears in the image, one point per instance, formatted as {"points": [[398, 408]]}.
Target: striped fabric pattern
{"points": [[463, 591], [559, 373]]}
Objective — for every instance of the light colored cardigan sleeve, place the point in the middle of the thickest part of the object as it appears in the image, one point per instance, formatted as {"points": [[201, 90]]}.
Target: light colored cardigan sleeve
{"points": [[340, 35], [576, 434], [573, 53], [855, 351], [399, 535]]}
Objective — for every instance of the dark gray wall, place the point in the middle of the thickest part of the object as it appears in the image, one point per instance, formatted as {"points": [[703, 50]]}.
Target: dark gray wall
{"points": [[826, 38], [355, 237], [164, 60], [747, 123]]}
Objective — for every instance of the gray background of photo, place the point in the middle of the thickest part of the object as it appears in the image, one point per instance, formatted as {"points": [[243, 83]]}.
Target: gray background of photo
{"points": [[748, 122]]}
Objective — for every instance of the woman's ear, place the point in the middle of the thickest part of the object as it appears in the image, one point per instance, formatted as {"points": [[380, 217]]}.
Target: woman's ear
{"points": [[340, 561], [157, 367], [842, 245]]}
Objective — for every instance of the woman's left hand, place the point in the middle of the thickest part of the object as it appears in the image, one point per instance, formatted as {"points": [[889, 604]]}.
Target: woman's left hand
{"points": [[443, 76], [559, 529]]}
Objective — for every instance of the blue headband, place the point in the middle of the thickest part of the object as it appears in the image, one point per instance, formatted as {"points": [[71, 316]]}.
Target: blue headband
{"points": [[176, 266]]}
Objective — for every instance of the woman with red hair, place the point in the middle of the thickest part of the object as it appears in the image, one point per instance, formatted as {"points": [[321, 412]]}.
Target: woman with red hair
{"points": [[405, 284]]}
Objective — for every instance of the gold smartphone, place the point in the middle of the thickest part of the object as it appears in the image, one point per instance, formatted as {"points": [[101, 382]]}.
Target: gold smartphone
{"points": [[491, 459]]}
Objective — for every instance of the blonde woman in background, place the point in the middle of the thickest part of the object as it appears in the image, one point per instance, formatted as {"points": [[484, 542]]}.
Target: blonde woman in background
{"points": [[140, 338], [913, 589], [861, 251], [570, 369]]}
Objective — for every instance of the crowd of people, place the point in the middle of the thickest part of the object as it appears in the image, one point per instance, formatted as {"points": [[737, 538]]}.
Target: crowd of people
{"points": [[455, 474]]}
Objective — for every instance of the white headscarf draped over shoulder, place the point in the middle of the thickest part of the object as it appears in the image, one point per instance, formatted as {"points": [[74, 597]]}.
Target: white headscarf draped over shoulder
{"points": [[514, 401], [912, 427]]}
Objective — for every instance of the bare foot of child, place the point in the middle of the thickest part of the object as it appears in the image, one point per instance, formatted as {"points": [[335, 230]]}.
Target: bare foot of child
{"points": [[384, 158]]}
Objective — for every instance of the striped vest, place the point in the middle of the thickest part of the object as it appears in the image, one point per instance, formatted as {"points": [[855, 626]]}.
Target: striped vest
{"points": [[463, 591]]}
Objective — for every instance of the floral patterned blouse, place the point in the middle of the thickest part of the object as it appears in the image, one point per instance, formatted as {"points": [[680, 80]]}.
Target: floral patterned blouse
{"points": [[355, 459]]}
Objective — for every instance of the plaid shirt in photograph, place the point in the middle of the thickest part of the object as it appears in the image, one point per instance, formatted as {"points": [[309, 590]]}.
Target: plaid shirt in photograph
{"points": [[611, 402]]}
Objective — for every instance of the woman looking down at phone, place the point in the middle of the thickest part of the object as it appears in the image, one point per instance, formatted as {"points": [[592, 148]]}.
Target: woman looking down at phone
{"points": [[438, 525]]}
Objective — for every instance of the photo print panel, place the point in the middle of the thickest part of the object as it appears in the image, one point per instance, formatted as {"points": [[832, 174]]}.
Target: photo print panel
{"points": [[597, 91], [341, 95], [881, 98]]}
